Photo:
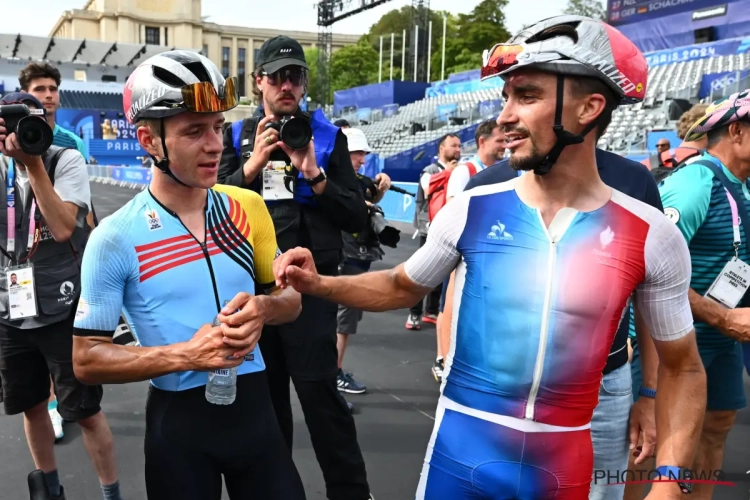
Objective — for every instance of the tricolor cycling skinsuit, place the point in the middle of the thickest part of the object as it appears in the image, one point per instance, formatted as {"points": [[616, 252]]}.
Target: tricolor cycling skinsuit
{"points": [[143, 259], [523, 375]]}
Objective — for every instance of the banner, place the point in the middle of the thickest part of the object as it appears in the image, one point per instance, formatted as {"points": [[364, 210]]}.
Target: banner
{"points": [[390, 110], [132, 174], [694, 52], [92, 123], [717, 82], [364, 114], [489, 107], [444, 88], [445, 111], [399, 207], [631, 11]]}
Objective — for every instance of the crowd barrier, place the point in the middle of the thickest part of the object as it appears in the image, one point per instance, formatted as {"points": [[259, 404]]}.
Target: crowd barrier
{"points": [[397, 207]]}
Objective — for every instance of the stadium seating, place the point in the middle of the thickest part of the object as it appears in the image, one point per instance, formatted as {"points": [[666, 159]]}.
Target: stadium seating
{"points": [[78, 99]]}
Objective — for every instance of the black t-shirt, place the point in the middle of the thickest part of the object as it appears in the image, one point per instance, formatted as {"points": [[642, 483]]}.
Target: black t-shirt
{"points": [[626, 176]]}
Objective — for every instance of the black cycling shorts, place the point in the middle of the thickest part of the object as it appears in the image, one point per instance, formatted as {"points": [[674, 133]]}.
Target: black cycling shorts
{"points": [[191, 443]]}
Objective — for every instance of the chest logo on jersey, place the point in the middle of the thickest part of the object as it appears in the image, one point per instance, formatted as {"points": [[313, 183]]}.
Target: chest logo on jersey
{"points": [[498, 232], [153, 220], [605, 239]]}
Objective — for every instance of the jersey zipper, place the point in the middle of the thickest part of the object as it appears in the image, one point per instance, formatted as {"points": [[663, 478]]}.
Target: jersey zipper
{"points": [[208, 260], [539, 366]]}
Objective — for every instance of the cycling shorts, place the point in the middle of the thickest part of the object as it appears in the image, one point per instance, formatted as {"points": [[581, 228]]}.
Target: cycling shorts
{"points": [[470, 458], [191, 443]]}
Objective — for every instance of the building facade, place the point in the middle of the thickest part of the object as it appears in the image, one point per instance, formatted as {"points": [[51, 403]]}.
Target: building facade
{"points": [[178, 24]]}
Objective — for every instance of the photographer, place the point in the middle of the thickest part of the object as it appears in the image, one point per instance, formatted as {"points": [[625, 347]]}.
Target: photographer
{"points": [[312, 195], [360, 250], [46, 203]]}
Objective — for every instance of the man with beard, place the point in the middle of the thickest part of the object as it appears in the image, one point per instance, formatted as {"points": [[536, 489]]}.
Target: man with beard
{"points": [[546, 265], [313, 194]]}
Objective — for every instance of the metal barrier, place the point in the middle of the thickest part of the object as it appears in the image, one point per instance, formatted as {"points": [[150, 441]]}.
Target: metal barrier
{"points": [[127, 177]]}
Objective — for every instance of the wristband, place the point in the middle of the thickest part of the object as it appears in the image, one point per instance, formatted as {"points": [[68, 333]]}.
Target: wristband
{"points": [[645, 391]]}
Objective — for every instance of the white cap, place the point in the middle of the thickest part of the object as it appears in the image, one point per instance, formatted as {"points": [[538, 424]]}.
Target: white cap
{"points": [[357, 140]]}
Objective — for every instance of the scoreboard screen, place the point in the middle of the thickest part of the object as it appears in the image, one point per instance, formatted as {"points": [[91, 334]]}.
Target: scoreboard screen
{"points": [[630, 11]]}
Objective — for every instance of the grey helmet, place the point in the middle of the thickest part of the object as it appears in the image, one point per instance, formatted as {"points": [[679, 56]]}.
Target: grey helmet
{"points": [[155, 88]]}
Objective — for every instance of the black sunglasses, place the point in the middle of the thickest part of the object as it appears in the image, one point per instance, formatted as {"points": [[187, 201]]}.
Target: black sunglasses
{"points": [[297, 76]]}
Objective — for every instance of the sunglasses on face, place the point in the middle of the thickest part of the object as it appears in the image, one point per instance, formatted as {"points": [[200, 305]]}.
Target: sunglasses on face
{"points": [[296, 76]]}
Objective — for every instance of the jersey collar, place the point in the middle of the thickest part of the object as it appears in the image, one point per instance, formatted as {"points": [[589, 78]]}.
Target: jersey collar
{"points": [[207, 206], [729, 174]]}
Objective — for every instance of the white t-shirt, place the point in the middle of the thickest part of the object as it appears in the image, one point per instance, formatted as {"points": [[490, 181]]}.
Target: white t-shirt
{"points": [[460, 177]]}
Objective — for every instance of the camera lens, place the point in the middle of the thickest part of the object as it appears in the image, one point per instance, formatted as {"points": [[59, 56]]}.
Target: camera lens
{"points": [[34, 135], [296, 133]]}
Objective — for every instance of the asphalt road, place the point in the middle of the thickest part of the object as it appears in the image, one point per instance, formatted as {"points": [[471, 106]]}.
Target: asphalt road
{"points": [[394, 418]]}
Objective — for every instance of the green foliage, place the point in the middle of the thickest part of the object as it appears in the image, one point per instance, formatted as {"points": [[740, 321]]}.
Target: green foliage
{"points": [[467, 36], [589, 8]]}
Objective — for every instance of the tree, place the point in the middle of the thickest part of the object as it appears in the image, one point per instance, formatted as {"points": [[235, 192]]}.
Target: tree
{"points": [[589, 8], [353, 66]]}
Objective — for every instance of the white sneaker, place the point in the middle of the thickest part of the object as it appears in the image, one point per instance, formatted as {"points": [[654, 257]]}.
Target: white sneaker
{"points": [[57, 423]]}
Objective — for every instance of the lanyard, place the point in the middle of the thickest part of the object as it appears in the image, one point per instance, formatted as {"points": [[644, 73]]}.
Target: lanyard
{"points": [[735, 223], [11, 198]]}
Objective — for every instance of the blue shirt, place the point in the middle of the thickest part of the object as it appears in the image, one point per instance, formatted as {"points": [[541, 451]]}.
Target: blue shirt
{"points": [[627, 176]]}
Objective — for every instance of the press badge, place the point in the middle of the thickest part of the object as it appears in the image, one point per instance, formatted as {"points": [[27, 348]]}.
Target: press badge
{"points": [[731, 284], [273, 182], [21, 292]]}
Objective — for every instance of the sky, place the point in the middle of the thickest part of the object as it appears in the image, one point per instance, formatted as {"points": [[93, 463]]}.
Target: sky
{"points": [[299, 14]]}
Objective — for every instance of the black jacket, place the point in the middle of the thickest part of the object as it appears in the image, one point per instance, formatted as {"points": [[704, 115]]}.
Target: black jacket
{"points": [[341, 207]]}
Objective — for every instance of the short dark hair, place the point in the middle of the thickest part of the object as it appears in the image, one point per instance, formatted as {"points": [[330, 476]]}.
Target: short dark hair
{"points": [[155, 125], [34, 70], [582, 87], [445, 137], [716, 135], [485, 129]]}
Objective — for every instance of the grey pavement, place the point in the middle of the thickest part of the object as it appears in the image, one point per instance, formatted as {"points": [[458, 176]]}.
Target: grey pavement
{"points": [[394, 418]]}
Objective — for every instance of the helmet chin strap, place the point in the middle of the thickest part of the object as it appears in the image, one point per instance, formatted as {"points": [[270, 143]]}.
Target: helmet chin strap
{"points": [[564, 138], [163, 164]]}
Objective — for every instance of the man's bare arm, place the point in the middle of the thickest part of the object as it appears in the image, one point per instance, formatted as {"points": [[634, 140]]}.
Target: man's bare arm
{"points": [[281, 306], [97, 360], [374, 292], [707, 310], [647, 351], [680, 402]]}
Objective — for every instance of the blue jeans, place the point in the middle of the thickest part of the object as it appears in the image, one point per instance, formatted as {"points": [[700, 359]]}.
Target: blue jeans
{"points": [[609, 434]]}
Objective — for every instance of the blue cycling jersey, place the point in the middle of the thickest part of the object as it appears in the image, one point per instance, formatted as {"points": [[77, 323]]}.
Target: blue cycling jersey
{"points": [[143, 259]]}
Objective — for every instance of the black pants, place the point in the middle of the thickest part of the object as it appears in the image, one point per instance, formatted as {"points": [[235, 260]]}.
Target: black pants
{"points": [[191, 443], [431, 303], [305, 352]]}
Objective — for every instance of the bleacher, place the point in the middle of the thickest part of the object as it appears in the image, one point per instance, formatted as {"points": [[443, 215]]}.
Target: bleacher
{"points": [[78, 99]]}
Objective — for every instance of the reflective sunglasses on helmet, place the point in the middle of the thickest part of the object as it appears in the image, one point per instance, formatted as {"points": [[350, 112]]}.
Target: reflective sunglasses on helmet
{"points": [[202, 97], [297, 76]]}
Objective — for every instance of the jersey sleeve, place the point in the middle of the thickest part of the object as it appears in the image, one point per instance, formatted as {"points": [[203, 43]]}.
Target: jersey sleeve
{"points": [[439, 256], [265, 248], [685, 196], [662, 298], [105, 271]]}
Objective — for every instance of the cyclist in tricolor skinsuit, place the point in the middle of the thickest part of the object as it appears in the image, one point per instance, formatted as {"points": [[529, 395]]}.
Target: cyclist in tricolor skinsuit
{"points": [[546, 265]]}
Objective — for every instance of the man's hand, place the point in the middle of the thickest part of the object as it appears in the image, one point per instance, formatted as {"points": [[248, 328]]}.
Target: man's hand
{"points": [[383, 182], [208, 351], [737, 324], [242, 321], [643, 425], [296, 268], [266, 141], [11, 147], [451, 165]]}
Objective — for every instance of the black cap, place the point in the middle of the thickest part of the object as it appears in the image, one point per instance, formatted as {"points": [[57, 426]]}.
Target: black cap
{"points": [[279, 52], [341, 123]]}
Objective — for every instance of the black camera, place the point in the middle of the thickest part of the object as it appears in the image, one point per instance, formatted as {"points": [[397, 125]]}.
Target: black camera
{"points": [[33, 133], [386, 235], [294, 132]]}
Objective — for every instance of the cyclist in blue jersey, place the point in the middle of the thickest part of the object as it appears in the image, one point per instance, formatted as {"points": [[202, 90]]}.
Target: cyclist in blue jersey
{"points": [[546, 265], [171, 257]]}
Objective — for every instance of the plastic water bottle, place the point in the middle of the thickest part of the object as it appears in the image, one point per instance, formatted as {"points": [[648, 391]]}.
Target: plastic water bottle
{"points": [[221, 388]]}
